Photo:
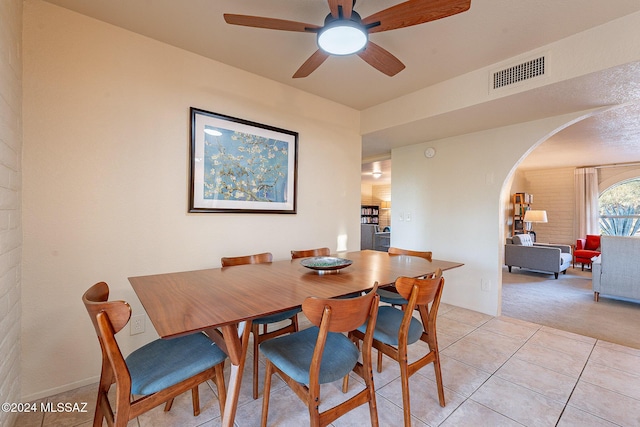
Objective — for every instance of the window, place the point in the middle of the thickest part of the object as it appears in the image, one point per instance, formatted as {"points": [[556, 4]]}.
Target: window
{"points": [[620, 209]]}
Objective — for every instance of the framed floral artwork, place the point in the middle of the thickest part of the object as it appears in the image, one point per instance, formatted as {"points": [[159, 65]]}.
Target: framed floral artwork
{"points": [[241, 166]]}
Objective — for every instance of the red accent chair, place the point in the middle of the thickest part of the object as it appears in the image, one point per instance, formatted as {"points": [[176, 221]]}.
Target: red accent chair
{"points": [[585, 250]]}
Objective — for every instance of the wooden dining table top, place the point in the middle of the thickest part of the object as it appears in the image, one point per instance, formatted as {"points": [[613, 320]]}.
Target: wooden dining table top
{"points": [[185, 302]]}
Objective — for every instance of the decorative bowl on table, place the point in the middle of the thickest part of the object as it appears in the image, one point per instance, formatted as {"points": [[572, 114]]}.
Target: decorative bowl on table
{"points": [[325, 263]]}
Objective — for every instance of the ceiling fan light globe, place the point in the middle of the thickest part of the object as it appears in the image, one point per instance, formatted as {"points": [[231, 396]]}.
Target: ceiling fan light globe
{"points": [[342, 37]]}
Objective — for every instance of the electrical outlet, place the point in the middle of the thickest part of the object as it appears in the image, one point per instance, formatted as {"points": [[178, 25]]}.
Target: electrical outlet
{"points": [[137, 324], [485, 285]]}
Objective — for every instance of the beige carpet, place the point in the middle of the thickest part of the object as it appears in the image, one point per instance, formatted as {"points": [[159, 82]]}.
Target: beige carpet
{"points": [[567, 304]]}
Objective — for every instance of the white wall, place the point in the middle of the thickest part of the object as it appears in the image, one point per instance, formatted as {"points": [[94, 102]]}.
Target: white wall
{"points": [[456, 202], [10, 195], [106, 155]]}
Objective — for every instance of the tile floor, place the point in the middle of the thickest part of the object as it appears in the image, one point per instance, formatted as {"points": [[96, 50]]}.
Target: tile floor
{"points": [[497, 372]]}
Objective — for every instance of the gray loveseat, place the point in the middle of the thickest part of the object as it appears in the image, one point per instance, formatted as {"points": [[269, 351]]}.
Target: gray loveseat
{"points": [[617, 271], [520, 251]]}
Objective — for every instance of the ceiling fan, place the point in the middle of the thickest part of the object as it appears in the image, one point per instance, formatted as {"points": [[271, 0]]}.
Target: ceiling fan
{"points": [[345, 33]]}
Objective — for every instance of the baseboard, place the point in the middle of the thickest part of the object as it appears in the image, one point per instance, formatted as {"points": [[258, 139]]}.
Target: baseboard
{"points": [[57, 390]]}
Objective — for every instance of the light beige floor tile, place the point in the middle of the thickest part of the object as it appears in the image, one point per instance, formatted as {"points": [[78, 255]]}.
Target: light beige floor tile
{"points": [[389, 415], [485, 358], [570, 335], [33, 417], [468, 317], [624, 361], [445, 340], [285, 410], [606, 404], [424, 399], [181, 412], [562, 343], [572, 417], [83, 396], [445, 308], [508, 328], [457, 376], [520, 322], [452, 327], [551, 384], [618, 347], [622, 382], [518, 403], [473, 414], [558, 361], [246, 388], [494, 341]]}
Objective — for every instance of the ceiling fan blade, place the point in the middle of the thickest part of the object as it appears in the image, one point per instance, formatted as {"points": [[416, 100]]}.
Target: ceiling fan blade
{"points": [[381, 59], [269, 23], [347, 8], [311, 64], [414, 12]]}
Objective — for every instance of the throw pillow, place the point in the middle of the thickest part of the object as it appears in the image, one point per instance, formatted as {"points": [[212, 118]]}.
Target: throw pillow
{"points": [[592, 243], [522, 239]]}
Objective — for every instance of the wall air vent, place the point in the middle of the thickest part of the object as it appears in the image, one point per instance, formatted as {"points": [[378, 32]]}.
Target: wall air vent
{"points": [[517, 73]]}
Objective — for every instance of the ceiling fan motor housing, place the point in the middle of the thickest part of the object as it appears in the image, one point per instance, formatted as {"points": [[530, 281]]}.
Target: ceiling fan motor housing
{"points": [[341, 36]]}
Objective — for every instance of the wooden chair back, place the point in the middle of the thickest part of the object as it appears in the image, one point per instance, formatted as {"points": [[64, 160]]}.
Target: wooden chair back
{"points": [[423, 294], [247, 259], [310, 253], [422, 254], [424, 290], [95, 300], [340, 315]]}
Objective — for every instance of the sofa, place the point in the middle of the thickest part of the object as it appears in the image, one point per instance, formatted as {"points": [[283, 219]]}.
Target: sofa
{"points": [[521, 251], [616, 272]]}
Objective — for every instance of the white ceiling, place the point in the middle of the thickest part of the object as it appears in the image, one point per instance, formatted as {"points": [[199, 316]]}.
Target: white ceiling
{"points": [[491, 31]]}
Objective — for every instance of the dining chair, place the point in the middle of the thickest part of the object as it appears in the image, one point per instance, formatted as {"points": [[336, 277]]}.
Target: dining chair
{"points": [[155, 373], [390, 295], [396, 329], [259, 337], [307, 253], [322, 354]]}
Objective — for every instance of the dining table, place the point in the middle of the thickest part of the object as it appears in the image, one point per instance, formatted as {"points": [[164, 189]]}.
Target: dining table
{"points": [[222, 301]]}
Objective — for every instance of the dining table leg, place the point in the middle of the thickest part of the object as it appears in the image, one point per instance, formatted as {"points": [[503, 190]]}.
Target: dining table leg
{"points": [[235, 344]]}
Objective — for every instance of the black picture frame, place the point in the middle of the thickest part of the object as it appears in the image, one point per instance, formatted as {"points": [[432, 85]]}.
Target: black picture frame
{"points": [[241, 166]]}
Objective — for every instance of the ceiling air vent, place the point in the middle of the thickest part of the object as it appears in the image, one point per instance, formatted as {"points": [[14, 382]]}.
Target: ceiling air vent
{"points": [[517, 73]]}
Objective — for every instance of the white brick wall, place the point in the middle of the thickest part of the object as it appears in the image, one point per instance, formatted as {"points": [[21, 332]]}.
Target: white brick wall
{"points": [[553, 191], [10, 201]]}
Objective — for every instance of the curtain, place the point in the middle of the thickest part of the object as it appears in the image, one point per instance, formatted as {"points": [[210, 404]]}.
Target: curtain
{"points": [[586, 185]]}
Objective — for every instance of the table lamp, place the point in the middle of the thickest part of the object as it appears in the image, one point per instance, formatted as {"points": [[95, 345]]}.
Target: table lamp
{"points": [[531, 216]]}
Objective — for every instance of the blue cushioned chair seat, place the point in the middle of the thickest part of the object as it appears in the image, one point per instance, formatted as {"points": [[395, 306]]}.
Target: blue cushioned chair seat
{"points": [[277, 317], [388, 325], [391, 297], [293, 353], [165, 362]]}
